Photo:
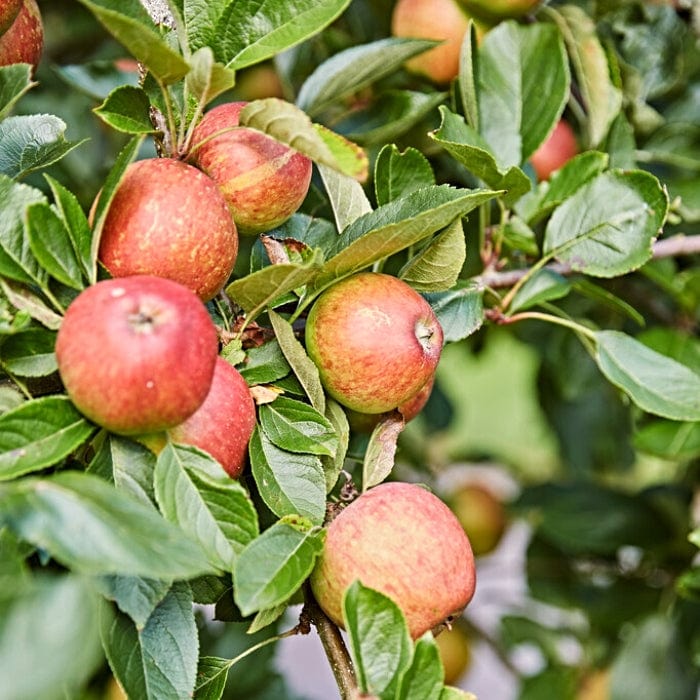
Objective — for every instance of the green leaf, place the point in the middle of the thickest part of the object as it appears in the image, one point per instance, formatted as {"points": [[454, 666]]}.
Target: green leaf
{"points": [[127, 109], [212, 673], [450, 693], [353, 69], [160, 660], [422, 680], [459, 311], [467, 78], [436, 268], [302, 366], [29, 354], [381, 450], [194, 492], [266, 617], [52, 246], [607, 227], [290, 125], [15, 81], [601, 99], [40, 433], [333, 466], [396, 226], [31, 142], [129, 23], [346, 195], [91, 527], [249, 31], [260, 289], [207, 79], [16, 258], [544, 285], [297, 427], [288, 483], [75, 221], [398, 173], [265, 364], [134, 596], [49, 637], [29, 305], [273, 566], [654, 382], [671, 440], [467, 147], [380, 645], [523, 85]]}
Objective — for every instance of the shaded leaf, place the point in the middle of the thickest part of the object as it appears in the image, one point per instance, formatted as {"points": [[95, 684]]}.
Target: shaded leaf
{"points": [[544, 285], [397, 173], [134, 596], [127, 109], [381, 450], [29, 354], [460, 311], [347, 196], [15, 81]]}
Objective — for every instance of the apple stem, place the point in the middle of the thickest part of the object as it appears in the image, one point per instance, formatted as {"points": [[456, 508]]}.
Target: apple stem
{"points": [[334, 647]]}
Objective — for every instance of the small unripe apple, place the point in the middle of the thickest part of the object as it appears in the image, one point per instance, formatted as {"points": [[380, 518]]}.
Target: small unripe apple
{"points": [[443, 20], [223, 424], [258, 82], [500, 9], [23, 40], [169, 219], [9, 9], [482, 515], [263, 180], [559, 148], [375, 340], [402, 540], [137, 354], [595, 685], [454, 646]]}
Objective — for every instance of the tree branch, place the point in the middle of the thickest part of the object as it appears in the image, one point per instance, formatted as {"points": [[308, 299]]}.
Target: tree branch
{"points": [[666, 248], [160, 12]]}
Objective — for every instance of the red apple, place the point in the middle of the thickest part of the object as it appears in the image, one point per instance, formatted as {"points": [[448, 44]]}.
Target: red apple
{"points": [[137, 354], [169, 219], [375, 340], [9, 9], [403, 541], [223, 424], [482, 515], [23, 41], [495, 10], [559, 147], [264, 181], [444, 20]]}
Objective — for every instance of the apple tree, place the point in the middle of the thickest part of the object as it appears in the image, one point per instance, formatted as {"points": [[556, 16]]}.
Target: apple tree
{"points": [[416, 259]]}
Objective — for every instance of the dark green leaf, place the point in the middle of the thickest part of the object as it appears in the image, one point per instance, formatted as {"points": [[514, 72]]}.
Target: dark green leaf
{"points": [[544, 285], [91, 527], [671, 440], [40, 433], [552, 682], [265, 364], [333, 466], [15, 81], [273, 566], [397, 173], [422, 680], [134, 596], [655, 382], [460, 311], [29, 354], [127, 109], [212, 673], [131, 467]]}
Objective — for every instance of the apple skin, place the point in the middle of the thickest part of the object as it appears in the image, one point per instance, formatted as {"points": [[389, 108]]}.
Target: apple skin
{"points": [[23, 41], [366, 422], [403, 541], [223, 424], [169, 219], [9, 9], [137, 354], [496, 10], [444, 20], [557, 149], [454, 646], [482, 515], [375, 341], [264, 181]]}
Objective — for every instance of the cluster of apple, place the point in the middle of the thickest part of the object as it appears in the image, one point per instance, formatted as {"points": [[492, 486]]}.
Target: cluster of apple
{"points": [[21, 32]]}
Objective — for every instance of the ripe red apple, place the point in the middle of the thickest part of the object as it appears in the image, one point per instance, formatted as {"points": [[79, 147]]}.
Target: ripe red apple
{"points": [[403, 541], [444, 20], [9, 9], [23, 40], [264, 181], [137, 354], [169, 219], [482, 515], [500, 9], [375, 340], [559, 147], [223, 424], [366, 422]]}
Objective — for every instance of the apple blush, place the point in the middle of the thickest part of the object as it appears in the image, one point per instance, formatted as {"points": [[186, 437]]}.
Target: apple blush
{"points": [[22, 39]]}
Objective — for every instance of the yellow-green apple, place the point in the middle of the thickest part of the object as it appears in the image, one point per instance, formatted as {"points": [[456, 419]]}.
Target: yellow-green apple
{"points": [[443, 20], [263, 180], [375, 340], [137, 354], [258, 82], [454, 646], [495, 10], [366, 422], [169, 219], [402, 540], [23, 40], [9, 9], [558, 148], [222, 425], [482, 515]]}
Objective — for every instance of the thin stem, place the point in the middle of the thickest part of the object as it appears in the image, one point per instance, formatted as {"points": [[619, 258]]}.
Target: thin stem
{"points": [[528, 274], [537, 315]]}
